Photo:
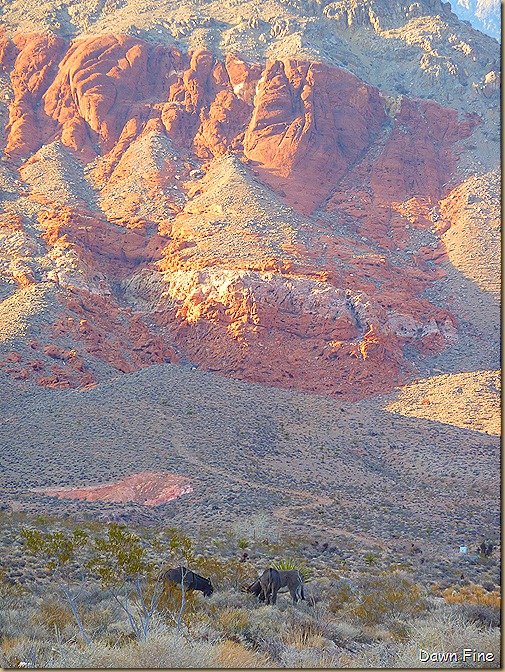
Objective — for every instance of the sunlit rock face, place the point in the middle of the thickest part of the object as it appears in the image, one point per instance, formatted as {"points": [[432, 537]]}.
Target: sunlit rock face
{"points": [[277, 222]]}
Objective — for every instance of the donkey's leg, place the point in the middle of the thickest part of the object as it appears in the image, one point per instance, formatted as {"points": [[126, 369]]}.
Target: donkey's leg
{"points": [[266, 594]]}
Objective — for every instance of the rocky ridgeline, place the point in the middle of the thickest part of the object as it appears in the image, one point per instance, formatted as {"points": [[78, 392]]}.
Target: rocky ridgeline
{"points": [[278, 223]]}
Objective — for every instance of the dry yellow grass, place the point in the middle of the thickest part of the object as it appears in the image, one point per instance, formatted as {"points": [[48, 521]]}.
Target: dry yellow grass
{"points": [[232, 654], [472, 594], [232, 619]]}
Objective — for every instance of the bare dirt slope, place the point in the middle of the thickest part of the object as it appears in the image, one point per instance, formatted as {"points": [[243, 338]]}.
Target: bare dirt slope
{"points": [[340, 470], [469, 400]]}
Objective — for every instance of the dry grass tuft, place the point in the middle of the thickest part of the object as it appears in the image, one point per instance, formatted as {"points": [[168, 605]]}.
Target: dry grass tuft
{"points": [[309, 658], [54, 614], [232, 619], [164, 648], [235, 655], [443, 631], [472, 594]]}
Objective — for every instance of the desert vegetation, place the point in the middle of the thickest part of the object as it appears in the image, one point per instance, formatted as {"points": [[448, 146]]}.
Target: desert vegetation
{"points": [[89, 595]]}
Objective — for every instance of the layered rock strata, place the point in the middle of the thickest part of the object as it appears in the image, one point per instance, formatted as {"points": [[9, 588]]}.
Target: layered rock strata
{"points": [[276, 222]]}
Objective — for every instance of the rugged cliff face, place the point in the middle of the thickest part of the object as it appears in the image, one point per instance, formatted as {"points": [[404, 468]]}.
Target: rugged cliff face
{"points": [[280, 222]]}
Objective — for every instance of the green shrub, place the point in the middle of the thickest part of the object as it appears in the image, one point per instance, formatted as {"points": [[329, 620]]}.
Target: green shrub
{"points": [[384, 596], [289, 563]]}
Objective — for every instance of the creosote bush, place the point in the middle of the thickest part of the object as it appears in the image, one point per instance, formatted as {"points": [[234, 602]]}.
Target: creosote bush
{"points": [[341, 594], [385, 595]]}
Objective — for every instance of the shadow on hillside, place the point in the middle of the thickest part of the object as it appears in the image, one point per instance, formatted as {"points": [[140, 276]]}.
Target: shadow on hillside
{"points": [[172, 418], [478, 316]]}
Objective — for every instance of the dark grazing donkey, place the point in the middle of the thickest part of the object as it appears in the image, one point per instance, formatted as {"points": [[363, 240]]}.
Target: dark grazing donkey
{"points": [[254, 588], [289, 578], [192, 581], [270, 582], [293, 580]]}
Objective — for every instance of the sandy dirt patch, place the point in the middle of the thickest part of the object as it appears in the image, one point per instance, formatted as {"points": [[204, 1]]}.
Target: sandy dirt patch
{"points": [[151, 489]]}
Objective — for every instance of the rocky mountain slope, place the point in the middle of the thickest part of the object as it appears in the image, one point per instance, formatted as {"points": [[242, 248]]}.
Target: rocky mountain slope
{"points": [[293, 194], [217, 209]]}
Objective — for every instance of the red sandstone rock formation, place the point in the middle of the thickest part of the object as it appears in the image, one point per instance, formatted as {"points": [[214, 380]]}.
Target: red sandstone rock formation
{"points": [[114, 243], [418, 156], [103, 83], [278, 300], [310, 123], [32, 73], [150, 489]]}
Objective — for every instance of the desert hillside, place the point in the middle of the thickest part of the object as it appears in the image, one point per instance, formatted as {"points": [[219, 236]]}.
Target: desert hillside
{"points": [[250, 273]]}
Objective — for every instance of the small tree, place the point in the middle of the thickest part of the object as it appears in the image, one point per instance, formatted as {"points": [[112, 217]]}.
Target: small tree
{"points": [[121, 562], [181, 547], [59, 551]]}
